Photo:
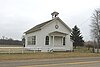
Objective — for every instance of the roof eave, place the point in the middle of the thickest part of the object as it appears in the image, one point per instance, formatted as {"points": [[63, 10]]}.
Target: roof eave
{"points": [[31, 31], [65, 25]]}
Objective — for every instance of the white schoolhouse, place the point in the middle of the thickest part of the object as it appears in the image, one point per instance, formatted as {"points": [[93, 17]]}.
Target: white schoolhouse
{"points": [[52, 35]]}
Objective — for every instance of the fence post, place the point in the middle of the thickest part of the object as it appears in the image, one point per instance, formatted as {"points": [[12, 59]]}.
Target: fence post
{"points": [[34, 50]]}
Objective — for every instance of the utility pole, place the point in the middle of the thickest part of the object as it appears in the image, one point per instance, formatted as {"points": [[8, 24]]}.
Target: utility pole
{"points": [[98, 30]]}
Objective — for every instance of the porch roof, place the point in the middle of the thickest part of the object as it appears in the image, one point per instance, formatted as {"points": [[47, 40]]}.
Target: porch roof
{"points": [[58, 32]]}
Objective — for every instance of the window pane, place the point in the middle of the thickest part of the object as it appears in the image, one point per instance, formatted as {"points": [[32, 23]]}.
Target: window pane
{"points": [[64, 41], [34, 40], [31, 40], [47, 40]]}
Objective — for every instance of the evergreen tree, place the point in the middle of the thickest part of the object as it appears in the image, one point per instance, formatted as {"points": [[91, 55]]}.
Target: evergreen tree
{"points": [[76, 37]]}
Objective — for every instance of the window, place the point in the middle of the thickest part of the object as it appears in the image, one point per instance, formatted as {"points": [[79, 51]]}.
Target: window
{"points": [[32, 40], [29, 41], [47, 40], [64, 41]]}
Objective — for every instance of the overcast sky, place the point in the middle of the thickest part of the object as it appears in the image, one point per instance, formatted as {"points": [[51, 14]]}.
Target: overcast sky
{"points": [[17, 16]]}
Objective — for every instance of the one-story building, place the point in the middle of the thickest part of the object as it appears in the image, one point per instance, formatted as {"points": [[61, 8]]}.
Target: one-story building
{"points": [[52, 35]]}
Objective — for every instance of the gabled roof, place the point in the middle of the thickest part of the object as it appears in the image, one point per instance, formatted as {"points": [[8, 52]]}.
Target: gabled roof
{"points": [[38, 27], [65, 24]]}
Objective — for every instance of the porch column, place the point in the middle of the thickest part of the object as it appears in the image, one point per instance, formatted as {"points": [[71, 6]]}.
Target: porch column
{"points": [[53, 41], [62, 41], [50, 41]]}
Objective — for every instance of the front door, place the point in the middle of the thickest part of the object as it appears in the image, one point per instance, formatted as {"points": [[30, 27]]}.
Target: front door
{"points": [[57, 41]]}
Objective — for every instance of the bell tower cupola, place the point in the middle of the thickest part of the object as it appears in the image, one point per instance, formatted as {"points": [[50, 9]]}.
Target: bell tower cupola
{"points": [[54, 14]]}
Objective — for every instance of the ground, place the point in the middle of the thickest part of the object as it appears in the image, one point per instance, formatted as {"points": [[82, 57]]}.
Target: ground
{"points": [[79, 52], [81, 57], [58, 62]]}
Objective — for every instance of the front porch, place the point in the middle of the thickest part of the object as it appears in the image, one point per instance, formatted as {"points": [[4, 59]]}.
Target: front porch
{"points": [[57, 41]]}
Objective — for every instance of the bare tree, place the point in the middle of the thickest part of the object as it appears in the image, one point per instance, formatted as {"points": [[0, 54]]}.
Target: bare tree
{"points": [[95, 27]]}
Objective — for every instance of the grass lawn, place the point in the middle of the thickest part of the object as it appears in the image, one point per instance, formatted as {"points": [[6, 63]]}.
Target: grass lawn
{"points": [[83, 50], [46, 55], [79, 52]]}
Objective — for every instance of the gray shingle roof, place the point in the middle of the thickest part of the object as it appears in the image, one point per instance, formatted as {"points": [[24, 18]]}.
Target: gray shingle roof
{"points": [[37, 27]]}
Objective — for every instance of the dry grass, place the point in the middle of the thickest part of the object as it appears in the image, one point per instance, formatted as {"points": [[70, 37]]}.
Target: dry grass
{"points": [[79, 52], [46, 55], [83, 50]]}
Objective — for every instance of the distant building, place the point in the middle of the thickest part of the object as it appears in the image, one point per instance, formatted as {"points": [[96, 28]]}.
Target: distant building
{"points": [[51, 35]]}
